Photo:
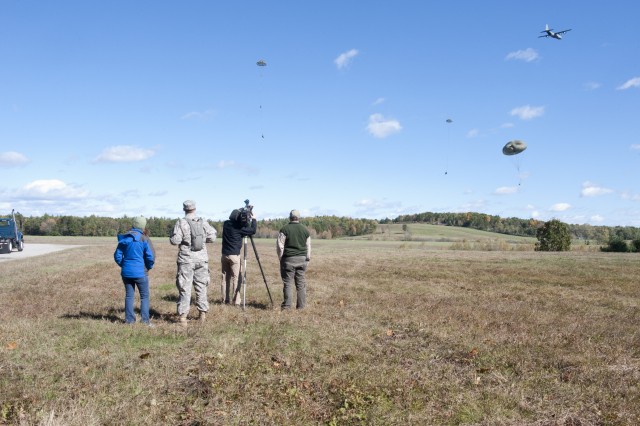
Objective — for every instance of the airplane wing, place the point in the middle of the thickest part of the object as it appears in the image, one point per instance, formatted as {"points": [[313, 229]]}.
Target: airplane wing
{"points": [[563, 31], [546, 35]]}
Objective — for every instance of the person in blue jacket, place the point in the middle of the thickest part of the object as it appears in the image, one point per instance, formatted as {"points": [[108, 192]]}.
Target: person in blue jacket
{"points": [[135, 256]]}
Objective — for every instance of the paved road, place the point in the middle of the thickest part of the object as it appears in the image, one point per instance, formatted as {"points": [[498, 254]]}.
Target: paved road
{"points": [[31, 250]]}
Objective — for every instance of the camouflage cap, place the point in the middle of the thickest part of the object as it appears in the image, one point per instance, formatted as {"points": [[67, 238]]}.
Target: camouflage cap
{"points": [[189, 205], [294, 214]]}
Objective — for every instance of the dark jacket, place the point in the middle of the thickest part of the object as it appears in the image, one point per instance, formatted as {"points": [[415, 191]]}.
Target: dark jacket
{"points": [[134, 254], [232, 233]]}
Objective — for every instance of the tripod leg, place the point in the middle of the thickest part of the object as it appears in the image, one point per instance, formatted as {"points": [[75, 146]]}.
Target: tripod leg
{"points": [[255, 251], [244, 280]]}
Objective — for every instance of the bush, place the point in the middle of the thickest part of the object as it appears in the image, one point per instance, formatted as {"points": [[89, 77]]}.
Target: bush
{"points": [[617, 245], [553, 236]]}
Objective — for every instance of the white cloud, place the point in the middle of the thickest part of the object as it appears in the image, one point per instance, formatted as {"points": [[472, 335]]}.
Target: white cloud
{"points": [[504, 190], [12, 159], [379, 101], [344, 59], [630, 196], [369, 203], [507, 125], [592, 190], [634, 82], [231, 164], [124, 154], [473, 205], [527, 55], [597, 218], [535, 214], [197, 115], [226, 164], [527, 112], [473, 133], [380, 208], [381, 127], [635, 146], [592, 85], [51, 189], [560, 207]]}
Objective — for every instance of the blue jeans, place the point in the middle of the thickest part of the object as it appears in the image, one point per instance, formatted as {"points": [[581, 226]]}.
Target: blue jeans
{"points": [[130, 294]]}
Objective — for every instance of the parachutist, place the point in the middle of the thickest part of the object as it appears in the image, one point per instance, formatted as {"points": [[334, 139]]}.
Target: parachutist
{"points": [[449, 121], [261, 64], [512, 148]]}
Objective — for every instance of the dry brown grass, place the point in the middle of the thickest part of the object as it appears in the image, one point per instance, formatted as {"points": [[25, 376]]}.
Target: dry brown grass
{"points": [[395, 333]]}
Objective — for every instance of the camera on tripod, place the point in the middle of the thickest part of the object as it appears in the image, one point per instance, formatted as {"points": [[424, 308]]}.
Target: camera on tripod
{"points": [[246, 217], [246, 212]]}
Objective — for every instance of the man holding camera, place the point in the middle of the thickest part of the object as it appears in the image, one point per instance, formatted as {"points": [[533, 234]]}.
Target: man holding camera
{"points": [[294, 250], [240, 224]]}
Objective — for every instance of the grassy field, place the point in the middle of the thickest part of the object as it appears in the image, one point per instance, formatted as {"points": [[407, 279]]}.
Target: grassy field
{"points": [[396, 332]]}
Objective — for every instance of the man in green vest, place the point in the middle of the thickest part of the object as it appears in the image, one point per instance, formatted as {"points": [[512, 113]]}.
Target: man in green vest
{"points": [[294, 251]]}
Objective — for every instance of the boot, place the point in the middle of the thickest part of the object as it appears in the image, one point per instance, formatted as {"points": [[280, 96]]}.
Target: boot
{"points": [[203, 316], [183, 320]]}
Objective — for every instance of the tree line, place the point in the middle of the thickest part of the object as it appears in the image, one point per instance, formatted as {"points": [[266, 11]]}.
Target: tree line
{"points": [[323, 227], [520, 227]]}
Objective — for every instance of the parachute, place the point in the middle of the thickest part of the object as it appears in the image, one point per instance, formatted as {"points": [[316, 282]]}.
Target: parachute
{"points": [[261, 64], [446, 168], [514, 147]]}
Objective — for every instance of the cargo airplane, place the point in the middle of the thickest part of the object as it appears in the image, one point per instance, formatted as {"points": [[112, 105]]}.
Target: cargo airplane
{"points": [[550, 33]]}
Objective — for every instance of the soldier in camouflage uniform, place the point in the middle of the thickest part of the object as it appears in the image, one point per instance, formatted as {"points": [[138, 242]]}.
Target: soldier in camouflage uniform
{"points": [[193, 266]]}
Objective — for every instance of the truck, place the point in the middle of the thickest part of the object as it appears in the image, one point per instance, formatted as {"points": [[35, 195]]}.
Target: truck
{"points": [[10, 235]]}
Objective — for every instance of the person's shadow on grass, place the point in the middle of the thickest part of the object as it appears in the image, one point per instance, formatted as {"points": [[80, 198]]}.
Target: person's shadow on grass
{"points": [[116, 315], [250, 303]]}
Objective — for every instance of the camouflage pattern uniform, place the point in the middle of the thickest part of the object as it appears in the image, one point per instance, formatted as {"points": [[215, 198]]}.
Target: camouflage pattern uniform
{"points": [[193, 266]]}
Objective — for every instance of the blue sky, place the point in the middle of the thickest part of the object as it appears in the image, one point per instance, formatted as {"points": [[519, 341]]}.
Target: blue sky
{"points": [[130, 107]]}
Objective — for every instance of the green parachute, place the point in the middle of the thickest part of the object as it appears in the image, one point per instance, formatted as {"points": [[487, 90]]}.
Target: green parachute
{"points": [[261, 63], [514, 147]]}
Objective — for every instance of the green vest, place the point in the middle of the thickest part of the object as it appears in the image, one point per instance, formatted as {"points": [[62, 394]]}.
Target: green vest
{"points": [[296, 242]]}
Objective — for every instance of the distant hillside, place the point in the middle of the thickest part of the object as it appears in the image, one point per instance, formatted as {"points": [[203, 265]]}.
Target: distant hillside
{"points": [[516, 226], [445, 236]]}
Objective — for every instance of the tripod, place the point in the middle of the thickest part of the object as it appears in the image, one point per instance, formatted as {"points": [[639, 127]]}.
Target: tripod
{"points": [[244, 280]]}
